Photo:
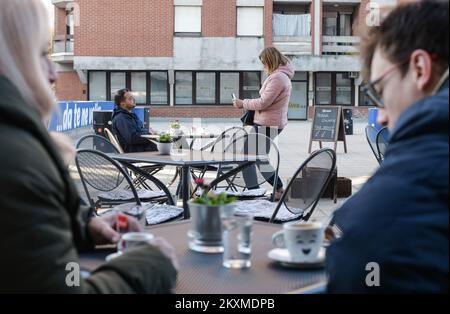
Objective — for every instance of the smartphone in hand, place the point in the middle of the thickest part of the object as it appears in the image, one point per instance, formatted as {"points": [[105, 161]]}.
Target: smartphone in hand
{"points": [[234, 96]]}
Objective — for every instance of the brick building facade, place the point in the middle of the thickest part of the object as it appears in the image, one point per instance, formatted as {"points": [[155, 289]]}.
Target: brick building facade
{"points": [[185, 58]]}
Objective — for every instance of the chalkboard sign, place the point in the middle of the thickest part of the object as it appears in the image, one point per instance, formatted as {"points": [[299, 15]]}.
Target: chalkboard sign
{"points": [[328, 126]]}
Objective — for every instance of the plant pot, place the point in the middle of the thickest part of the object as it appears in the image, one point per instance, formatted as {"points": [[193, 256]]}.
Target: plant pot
{"points": [[206, 223], [164, 148]]}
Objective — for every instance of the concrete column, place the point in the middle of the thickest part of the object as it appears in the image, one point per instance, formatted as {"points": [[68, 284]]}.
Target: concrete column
{"points": [[317, 26], [311, 88], [171, 77], [356, 93]]}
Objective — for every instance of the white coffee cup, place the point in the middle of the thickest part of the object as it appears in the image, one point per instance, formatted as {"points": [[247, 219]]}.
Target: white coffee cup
{"points": [[303, 240], [133, 239]]}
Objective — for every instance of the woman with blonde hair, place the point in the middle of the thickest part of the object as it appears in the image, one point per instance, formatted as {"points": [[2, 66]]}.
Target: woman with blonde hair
{"points": [[271, 109], [44, 225]]}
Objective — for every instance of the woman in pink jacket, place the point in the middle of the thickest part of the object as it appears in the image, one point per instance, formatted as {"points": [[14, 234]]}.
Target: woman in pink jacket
{"points": [[271, 109]]}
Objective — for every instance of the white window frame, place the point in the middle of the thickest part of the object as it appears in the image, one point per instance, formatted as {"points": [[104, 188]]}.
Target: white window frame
{"points": [[255, 31], [192, 25]]}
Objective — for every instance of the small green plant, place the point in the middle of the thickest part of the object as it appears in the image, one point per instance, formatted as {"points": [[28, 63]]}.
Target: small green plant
{"points": [[165, 138], [175, 125], [209, 198]]}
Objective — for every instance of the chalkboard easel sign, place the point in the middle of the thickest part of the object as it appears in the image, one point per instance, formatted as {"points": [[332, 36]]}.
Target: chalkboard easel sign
{"points": [[328, 126]]}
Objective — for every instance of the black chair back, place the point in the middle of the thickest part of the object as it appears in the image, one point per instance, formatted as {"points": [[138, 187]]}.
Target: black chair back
{"points": [[371, 136], [308, 184], [382, 141]]}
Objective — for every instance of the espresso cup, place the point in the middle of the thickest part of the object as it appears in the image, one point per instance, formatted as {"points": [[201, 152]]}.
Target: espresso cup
{"points": [[133, 239], [302, 240]]}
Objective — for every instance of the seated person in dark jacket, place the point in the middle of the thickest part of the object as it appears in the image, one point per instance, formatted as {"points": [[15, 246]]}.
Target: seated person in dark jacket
{"points": [[395, 229], [127, 126], [45, 225]]}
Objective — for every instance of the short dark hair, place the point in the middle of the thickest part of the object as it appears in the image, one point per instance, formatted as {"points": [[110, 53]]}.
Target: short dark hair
{"points": [[410, 26], [120, 96]]}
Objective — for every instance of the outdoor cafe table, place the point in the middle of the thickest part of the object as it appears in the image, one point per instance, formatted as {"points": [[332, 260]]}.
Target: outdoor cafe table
{"points": [[185, 159], [201, 273], [193, 137]]}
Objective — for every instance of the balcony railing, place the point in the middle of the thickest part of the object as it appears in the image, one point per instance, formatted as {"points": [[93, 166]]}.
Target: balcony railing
{"points": [[63, 49], [341, 45], [290, 45], [63, 44]]}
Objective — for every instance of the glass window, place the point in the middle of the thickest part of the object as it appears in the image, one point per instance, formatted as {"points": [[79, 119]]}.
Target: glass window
{"points": [[250, 21], [229, 84], [323, 88], [300, 76], [343, 89], [330, 24], [206, 88], [118, 82], [345, 25], [139, 86], [158, 95], [188, 19], [251, 85], [70, 22], [363, 99], [97, 86], [183, 88]]}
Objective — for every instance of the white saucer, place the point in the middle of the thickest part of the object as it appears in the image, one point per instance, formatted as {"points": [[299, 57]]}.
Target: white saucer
{"points": [[283, 257]]}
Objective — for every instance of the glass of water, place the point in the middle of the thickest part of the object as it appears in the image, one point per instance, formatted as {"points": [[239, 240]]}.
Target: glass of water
{"points": [[237, 240]]}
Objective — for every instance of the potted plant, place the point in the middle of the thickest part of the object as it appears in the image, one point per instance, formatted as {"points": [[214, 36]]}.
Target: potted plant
{"points": [[175, 128], [164, 144], [206, 210]]}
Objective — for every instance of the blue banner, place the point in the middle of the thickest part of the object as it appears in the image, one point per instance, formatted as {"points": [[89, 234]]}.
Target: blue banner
{"points": [[73, 115]]}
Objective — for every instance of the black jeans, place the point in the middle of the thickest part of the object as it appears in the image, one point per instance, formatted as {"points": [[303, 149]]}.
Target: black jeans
{"points": [[266, 170]]}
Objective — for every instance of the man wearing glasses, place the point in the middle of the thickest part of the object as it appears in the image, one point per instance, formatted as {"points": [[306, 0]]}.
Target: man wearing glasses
{"points": [[127, 126], [395, 229]]}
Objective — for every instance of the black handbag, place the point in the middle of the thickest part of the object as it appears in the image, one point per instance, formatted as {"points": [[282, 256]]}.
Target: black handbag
{"points": [[248, 118]]}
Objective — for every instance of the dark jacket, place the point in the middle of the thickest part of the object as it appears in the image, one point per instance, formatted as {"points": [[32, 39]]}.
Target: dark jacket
{"points": [[43, 224], [400, 218], [128, 129]]}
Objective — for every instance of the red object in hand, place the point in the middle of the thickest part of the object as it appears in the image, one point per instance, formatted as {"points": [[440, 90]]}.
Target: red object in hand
{"points": [[122, 223]]}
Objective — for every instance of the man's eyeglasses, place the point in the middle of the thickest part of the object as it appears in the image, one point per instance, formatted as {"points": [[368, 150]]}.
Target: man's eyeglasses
{"points": [[370, 90]]}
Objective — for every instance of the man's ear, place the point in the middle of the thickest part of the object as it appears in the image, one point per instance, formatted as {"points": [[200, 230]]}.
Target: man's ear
{"points": [[422, 68]]}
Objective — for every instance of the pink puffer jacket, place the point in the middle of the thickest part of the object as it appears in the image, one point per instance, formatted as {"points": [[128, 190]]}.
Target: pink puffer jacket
{"points": [[272, 107]]}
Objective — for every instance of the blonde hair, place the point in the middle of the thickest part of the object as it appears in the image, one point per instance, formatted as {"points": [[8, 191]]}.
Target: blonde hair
{"points": [[24, 34], [273, 58]]}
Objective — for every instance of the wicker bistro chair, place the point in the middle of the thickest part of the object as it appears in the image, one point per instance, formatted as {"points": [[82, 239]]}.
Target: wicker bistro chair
{"points": [[113, 139], [219, 144], [371, 136], [102, 144], [104, 180], [382, 141], [249, 183], [239, 180], [301, 195]]}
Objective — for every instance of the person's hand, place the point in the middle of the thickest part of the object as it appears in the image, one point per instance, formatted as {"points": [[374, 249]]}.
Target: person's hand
{"points": [[65, 147], [238, 103], [167, 250], [103, 229]]}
